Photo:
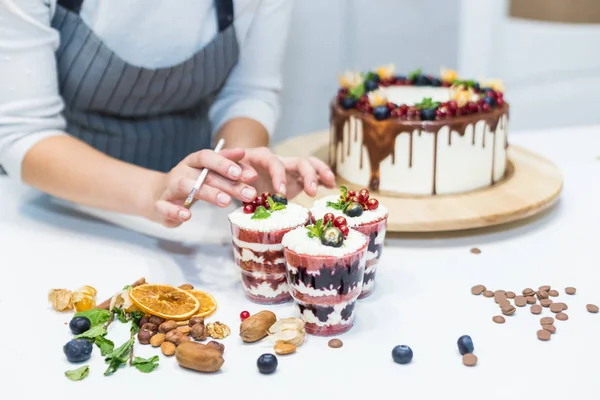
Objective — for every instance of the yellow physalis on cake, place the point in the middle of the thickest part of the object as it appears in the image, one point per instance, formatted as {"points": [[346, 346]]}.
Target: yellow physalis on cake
{"points": [[462, 95], [386, 72], [496, 84], [377, 98], [448, 75], [350, 80]]}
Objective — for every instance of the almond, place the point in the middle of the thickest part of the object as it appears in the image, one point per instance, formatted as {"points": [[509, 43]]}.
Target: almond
{"points": [[284, 348], [157, 339], [168, 348], [184, 329]]}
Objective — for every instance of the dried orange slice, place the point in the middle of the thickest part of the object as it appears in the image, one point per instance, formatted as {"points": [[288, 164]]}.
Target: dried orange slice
{"points": [[208, 304], [164, 301]]}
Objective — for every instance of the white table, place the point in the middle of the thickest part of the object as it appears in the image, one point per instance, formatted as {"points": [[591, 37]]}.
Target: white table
{"points": [[423, 300]]}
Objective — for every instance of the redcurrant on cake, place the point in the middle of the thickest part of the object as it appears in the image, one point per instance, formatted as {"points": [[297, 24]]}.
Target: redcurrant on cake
{"points": [[363, 213], [257, 229], [418, 134], [325, 264]]}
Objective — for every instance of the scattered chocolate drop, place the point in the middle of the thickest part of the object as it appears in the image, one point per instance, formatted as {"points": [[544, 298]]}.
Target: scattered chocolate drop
{"points": [[470, 360], [335, 343], [592, 308], [475, 250]]}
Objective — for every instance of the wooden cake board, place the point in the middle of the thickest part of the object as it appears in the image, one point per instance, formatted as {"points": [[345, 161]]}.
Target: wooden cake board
{"points": [[532, 185]]}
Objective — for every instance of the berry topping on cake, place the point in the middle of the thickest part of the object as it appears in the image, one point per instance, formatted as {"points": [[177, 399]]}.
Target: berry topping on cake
{"points": [[381, 112], [428, 114], [332, 237], [348, 102], [371, 85], [352, 204], [354, 209], [330, 233], [264, 205]]}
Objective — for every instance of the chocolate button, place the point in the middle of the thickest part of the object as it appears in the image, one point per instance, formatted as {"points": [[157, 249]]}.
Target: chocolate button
{"points": [[536, 309], [553, 293], [475, 250], [520, 301], [549, 328], [477, 290], [488, 293], [503, 302], [499, 319], [470, 360], [562, 316], [546, 303], [510, 295], [528, 292], [544, 335], [565, 307], [530, 300], [335, 343], [544, 288], [570, 290], [542, 294], [556, 307], [508, 310], [592, 308], [547, 321]]}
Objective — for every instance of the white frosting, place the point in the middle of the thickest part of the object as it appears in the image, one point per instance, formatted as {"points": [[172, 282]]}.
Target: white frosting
{"points": [[367, 287], [248, 255], [258, 247], [335, 318], [293, 215], [302, 288], [461, 166], [298, 241], [411, 95], [319, 209], [265, 290]]}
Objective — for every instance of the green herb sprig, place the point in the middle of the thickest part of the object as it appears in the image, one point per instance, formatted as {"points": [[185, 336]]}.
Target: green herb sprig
{"points": [[357, 92], [261, 212], [78, 374], [467, 83], [427, 103], [315, 230], [342, 202], [414, 74]]}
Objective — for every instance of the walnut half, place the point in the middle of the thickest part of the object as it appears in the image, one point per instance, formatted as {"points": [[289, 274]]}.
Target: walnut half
{"points": [[217, 330]]}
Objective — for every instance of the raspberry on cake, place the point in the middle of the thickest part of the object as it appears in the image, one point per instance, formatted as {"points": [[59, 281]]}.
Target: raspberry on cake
{"points": [[325, 264], [257, 229], [364, 214], [419, 134]]}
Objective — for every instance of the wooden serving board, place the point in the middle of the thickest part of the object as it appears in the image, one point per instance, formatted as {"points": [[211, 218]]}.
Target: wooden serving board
{"points": [[532, 185]]}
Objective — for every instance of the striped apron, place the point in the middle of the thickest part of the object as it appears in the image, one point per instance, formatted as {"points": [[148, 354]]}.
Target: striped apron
{"points": [[149, 117]]}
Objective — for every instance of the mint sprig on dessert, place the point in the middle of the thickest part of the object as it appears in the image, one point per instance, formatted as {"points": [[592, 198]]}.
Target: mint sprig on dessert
{"points": [[264, 205], [330, 230], [353, 204], [427, 104]]}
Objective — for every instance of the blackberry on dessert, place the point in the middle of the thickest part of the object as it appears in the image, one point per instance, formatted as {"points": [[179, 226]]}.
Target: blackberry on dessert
{"points": [[362, 212], [257, 229], [325, 263], [423, 135]]}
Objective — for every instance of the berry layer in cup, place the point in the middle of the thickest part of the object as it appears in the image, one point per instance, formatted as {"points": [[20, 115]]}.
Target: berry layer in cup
{"points": [[372, 223], [258, 251], [325, 281]]}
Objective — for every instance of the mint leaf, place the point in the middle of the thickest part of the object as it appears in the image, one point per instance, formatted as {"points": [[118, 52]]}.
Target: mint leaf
{"points": [[92, 333], [427, 103], [78, 374], [95, 315], [118, 357], [105, 345], [145, 364], [357, 91], [274, 206], [127, 287], [135, 321], [339, 205], [121, 315], [371, 76], [315, 230], [261, 213], [413, 75], [342, 202]]}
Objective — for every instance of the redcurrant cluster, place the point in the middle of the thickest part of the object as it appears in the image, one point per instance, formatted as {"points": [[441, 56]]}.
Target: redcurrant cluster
{"points": [[362, 198], [260, 200], [338, 222]]}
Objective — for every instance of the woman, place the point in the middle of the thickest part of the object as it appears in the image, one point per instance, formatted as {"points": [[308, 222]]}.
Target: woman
{"points": [[116, 104]]}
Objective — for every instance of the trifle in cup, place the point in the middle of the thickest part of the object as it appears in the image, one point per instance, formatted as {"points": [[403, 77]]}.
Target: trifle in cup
{"points": [[325, 263], [366, 215], [257, 229]]}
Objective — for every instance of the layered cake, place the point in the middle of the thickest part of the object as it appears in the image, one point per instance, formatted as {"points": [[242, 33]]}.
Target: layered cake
{"points": [[325, 264], [418, 134], [363, 213], [257, 230]]}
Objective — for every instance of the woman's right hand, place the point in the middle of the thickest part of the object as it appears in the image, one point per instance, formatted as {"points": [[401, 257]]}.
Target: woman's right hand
{"points": [[227, 179]]}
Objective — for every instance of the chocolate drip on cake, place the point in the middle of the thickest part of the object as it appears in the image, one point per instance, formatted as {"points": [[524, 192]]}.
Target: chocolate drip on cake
{"points": [[379, 137]]}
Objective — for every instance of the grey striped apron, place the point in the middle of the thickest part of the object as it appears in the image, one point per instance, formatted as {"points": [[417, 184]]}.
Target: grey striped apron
{"points": [[149, 117]]}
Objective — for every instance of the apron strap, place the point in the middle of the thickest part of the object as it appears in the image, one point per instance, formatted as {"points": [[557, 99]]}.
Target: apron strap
{"points": [[224, 13], [71, 5]]}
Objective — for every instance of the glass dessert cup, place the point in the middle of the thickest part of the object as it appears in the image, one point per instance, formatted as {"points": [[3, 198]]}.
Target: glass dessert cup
{"points": [[325, 288]]}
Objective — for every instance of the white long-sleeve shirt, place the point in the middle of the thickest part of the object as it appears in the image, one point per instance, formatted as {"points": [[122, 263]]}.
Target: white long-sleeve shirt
{"points": [[147, 33]]}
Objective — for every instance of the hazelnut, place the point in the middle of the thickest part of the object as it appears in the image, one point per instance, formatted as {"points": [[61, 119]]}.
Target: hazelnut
{"points": [[156, 320], [184, 329], [196, 320], [168, 348], [182, 339], [172, 336], [144, 320], [198, 332], [144, 336], [167, 326], [186, 286], [217, 346], [157, 339], [150, 326]]}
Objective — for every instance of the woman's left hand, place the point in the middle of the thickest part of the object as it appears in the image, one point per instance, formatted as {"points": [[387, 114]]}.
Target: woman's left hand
{"points": [[287, 175]]}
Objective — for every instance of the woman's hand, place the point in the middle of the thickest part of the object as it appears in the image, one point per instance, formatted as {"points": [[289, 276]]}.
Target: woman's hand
{"points": [[228, 178], [287, 175]]}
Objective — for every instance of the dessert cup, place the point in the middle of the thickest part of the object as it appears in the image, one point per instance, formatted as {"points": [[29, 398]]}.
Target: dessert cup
{"points": [[372, 223], [324, 281], [258, 251]]}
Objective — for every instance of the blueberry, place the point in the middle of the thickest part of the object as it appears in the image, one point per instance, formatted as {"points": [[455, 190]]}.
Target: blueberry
{"points": [[371, 85], [354, 210], [465, 345], [78, 350], [375, 77], [267, 363], [79, 325], [485, 89], [400, 78], [402, 354], [279, 198], [348, 103], [428, 114], [476, 87], [490, 100], [332, 237], [422, 80], [381, 112], [436, 82]]}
